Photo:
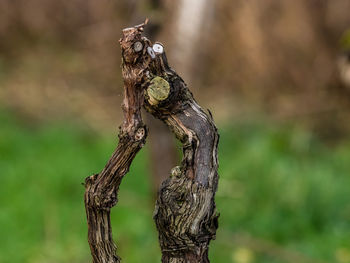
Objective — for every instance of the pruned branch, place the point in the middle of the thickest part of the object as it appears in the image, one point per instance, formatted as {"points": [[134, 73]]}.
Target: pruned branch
{"points": [[102, 189]]}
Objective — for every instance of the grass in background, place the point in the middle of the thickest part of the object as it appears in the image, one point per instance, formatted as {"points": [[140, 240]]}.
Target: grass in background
{"points": [[283, 196]]}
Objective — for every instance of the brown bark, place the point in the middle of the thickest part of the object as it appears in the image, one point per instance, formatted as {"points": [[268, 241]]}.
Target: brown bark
{"points": [[185, 212], [102, 189]]}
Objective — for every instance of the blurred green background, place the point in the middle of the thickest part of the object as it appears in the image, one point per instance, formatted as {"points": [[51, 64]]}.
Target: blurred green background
{"points": [[276, 76], [283, 195]]}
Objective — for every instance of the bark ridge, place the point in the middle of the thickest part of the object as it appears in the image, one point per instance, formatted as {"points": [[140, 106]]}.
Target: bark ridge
{"points": [[185, 212]]}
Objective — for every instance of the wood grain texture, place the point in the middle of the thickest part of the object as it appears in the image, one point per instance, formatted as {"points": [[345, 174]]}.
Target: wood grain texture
{"points": [[185, 212], [102, 189]]}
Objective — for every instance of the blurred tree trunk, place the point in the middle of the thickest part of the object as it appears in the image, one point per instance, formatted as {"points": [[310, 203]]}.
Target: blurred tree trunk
{"points": [[183, 53], [162, 146], [163, 153], [191, 24]]}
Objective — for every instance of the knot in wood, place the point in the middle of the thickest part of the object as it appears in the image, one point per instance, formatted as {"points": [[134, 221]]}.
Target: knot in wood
{"points": [[90, 180], [150, 52], [185, 215], [158, 48], [140, 134], [176, 171], [138, 46]]}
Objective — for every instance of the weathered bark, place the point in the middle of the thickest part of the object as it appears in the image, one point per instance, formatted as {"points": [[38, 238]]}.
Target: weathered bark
{"points": [[102, 189], [185, 212]]}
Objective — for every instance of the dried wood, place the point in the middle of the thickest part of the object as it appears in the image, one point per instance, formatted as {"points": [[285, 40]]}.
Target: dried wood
{"points": [[185, 212]]}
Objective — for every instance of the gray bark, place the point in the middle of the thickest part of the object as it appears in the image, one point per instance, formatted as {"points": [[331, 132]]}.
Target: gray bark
{"points": [[185, 213]]}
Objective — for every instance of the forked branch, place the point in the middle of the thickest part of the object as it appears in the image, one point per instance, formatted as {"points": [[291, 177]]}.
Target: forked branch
{"points": [[185, 212]]}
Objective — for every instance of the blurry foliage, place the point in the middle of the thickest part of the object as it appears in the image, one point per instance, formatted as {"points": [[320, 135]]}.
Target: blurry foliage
{"points": [[283, 196], [62, 57]]}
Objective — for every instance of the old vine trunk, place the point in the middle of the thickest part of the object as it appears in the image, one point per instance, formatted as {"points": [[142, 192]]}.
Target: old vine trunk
{"points": [[185, 212]]}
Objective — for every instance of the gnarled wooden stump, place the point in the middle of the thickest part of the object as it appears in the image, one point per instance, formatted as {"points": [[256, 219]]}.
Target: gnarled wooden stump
{"points": [[185, 212]]}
